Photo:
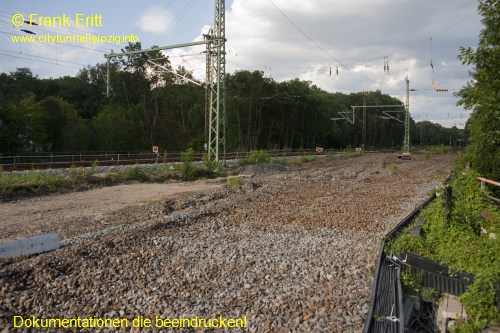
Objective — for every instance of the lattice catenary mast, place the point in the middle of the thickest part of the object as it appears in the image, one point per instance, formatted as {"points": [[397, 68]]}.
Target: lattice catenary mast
{"points": [[215, 103]]}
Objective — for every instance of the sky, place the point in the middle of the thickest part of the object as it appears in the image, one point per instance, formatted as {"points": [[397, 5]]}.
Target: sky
{"points": [[312, 40]]}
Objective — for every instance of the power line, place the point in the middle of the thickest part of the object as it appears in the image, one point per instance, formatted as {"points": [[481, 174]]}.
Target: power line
{"points": [[306, 35], [37, 56], [47, 62], [317, 45], [184, 11]]}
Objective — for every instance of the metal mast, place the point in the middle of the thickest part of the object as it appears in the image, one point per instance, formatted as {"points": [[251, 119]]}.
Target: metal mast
{"points": [[406, 142], [217, 115], [215, 102]]}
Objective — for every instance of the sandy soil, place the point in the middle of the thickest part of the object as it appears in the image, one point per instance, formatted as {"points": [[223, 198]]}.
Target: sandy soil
{"points": [[73, 213]]}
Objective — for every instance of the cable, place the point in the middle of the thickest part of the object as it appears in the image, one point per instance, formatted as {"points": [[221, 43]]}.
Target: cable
{"points": [[13, 56], [317, 45], [306, 35], [139, 27], [36, 56], [184, 11]]}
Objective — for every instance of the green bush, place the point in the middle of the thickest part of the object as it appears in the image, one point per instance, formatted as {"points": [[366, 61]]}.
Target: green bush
{"points": [[256, 157], [78, 173], [187, 168], [134, 173]]}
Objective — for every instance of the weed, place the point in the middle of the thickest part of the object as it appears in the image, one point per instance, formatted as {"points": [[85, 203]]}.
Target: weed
{"points": [[350, 154], [392, 166], [460, 243], [134, 173], [187, 168], [256, 157], [78, 174], [234, 181]]}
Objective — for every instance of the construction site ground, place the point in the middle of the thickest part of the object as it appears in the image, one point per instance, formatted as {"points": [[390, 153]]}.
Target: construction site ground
{"points": [[293, 249]]}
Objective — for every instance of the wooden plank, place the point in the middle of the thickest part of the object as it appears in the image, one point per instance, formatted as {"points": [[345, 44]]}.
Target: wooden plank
{"points": [[28, 246]]}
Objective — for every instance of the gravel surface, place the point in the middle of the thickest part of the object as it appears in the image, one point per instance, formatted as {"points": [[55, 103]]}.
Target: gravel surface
{"points": [[292, 249]]}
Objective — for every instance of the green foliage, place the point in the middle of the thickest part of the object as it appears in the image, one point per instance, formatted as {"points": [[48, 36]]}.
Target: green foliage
{"points": [[187, 168], [479, 301], [350, 154], [78, 173], [134, 174], [464, 243], [411, 281], [481, 94], [405, 242], [234, 181], [439, 150], [256, 157], [208, 164], [294, 160], [31, 182]]}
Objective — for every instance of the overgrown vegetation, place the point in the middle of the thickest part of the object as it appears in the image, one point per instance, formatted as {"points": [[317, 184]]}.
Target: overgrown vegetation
{"points": [[36, 182], [463, 233], [437, 150], [481, 93], [31, 182], [187, 168], [255, 157], [295, 160]]}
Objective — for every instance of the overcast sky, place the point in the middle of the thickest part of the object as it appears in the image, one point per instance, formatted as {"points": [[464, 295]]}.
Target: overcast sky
{"points": [[285, 39]]}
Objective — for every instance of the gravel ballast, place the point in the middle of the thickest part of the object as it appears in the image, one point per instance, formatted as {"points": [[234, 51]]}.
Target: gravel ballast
{"points": [[293, 250]]}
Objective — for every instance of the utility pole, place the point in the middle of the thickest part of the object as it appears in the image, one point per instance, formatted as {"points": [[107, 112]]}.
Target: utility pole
{"points": [[215, 101], [363, 136], [406, 143], [217, 116]]}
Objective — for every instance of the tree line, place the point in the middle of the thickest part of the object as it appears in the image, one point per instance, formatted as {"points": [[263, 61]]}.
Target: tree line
{"points": [[147, 107]]}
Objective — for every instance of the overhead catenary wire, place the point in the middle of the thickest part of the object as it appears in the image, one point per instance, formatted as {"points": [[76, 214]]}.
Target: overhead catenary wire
{"points": [[42, 57], [47, 62]]}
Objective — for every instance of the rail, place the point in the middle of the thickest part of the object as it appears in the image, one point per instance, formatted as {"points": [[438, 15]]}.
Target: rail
{"points": [[485, 181], [64, 160], [12, 162]]}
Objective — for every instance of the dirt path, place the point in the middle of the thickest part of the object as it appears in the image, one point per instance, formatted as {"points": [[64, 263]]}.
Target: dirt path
{"points": [[78, 212]]}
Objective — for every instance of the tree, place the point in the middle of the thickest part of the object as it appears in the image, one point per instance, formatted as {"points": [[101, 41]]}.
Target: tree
{"points": [[481, 94], [25, 127]]}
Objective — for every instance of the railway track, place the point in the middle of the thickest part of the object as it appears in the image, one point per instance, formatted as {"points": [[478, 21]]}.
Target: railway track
{"points": [[16, 162]]}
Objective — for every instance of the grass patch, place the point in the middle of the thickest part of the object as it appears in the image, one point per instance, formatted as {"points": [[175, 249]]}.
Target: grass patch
{"points": [[350, 154], [436, 150], [295, 160], [31, 182], [392, 166], [256, 157], [234, 181]]}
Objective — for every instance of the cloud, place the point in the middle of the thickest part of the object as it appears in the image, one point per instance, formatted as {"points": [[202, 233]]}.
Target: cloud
{"points": [[306, 38], [155, 19]]}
